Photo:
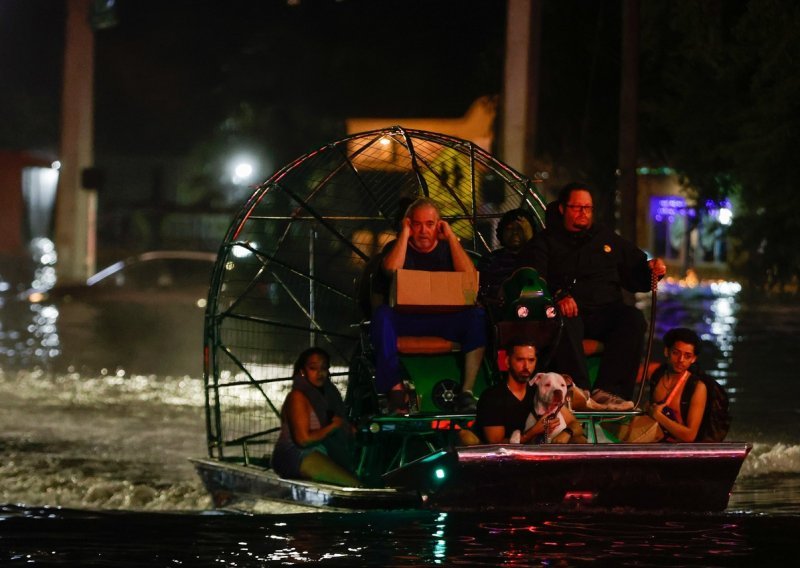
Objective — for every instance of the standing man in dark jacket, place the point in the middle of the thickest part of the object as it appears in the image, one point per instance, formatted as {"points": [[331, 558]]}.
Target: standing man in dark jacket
{"points": [[587, 266]]}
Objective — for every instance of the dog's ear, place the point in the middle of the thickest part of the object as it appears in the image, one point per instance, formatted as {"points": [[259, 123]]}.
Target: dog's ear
{"points": [[535, 379], [570, 390]]}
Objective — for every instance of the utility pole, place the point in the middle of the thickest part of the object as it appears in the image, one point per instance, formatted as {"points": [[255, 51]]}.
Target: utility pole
{"points": [[627, 187], [76, 208], [521, 84]]}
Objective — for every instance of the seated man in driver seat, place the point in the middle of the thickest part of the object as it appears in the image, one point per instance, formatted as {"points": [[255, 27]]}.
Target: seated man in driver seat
{"points": [[588, 267], [425, 242]]}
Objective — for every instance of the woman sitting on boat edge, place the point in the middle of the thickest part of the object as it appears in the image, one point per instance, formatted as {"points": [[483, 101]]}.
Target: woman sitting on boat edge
{"points": [[315, 438]]}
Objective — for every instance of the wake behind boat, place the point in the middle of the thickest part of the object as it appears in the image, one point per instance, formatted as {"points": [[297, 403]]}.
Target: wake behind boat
{"points": [[286, 278]]}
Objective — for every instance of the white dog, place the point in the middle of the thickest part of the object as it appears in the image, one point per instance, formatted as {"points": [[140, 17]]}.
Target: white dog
{"points": [[552, 398]]}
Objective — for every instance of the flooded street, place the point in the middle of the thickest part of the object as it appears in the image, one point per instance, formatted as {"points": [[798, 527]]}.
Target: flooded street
{"points": [[102, 442], [109, 450], [113, 439]]}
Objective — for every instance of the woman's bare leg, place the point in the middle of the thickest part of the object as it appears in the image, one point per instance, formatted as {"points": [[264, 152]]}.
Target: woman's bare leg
{"points": [[319, 467]]}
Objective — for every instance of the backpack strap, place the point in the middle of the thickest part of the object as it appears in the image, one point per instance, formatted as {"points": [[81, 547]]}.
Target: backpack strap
{"points": [[688, 393]]}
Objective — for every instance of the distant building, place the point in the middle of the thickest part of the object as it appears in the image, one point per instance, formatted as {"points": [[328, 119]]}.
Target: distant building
{"points": [[674, 226], [477, 125]]}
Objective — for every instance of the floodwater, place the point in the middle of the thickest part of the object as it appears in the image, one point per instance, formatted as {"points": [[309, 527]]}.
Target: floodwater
{"points": [[94, 470]]}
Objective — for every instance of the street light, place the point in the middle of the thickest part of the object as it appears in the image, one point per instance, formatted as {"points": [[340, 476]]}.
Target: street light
{"points": [[243, 169]]}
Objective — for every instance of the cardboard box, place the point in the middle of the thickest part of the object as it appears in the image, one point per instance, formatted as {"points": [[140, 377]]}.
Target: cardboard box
{"points": [[423, 291]]}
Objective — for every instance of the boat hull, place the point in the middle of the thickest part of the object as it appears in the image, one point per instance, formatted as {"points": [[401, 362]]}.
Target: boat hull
{"points": [[243, 487], [684, 477]]}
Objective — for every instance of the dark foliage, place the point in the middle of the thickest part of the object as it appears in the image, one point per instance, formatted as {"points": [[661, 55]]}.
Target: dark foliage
{"points": [[721, 104]]}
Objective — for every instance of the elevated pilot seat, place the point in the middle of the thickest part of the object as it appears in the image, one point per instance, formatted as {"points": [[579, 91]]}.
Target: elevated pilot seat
{"points": [[530, 310], [434, 368], [431, 366]]}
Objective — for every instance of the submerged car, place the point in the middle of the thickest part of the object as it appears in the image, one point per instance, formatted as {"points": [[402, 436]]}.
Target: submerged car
{"points": [[143, 314]]}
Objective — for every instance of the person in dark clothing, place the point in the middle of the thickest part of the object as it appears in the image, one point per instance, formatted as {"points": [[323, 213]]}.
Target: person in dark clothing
{"points": [[587, 267], [515, 228], [504, 408]]}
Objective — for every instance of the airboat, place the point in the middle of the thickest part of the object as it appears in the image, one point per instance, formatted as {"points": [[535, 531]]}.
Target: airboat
{"points": [[287, 277]]}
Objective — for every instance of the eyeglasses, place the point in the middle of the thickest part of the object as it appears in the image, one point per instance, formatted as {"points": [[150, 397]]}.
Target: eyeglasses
{"points": [[580, 208]]}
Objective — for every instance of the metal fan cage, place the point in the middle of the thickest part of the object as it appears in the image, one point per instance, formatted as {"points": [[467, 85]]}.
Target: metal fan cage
{"points": [[286, 273]]}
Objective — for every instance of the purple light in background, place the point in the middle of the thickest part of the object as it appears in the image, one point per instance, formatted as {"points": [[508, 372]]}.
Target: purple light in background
{"points": [[670, 207]]}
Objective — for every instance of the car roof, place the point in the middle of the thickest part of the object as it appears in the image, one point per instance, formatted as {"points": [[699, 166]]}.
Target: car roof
{"points": [[150, 256]]}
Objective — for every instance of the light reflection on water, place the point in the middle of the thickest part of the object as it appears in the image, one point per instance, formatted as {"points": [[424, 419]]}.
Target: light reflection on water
{"points": [[391, 539]]}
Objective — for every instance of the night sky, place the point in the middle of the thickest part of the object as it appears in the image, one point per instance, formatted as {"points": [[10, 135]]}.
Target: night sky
{"points": [[170, 72], [182, 85]]}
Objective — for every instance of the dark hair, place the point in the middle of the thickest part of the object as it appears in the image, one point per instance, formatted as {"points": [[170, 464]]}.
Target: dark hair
{"points": [[303, 358], [682, 334], [511, 216], [519, 341], [565, 192]]}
